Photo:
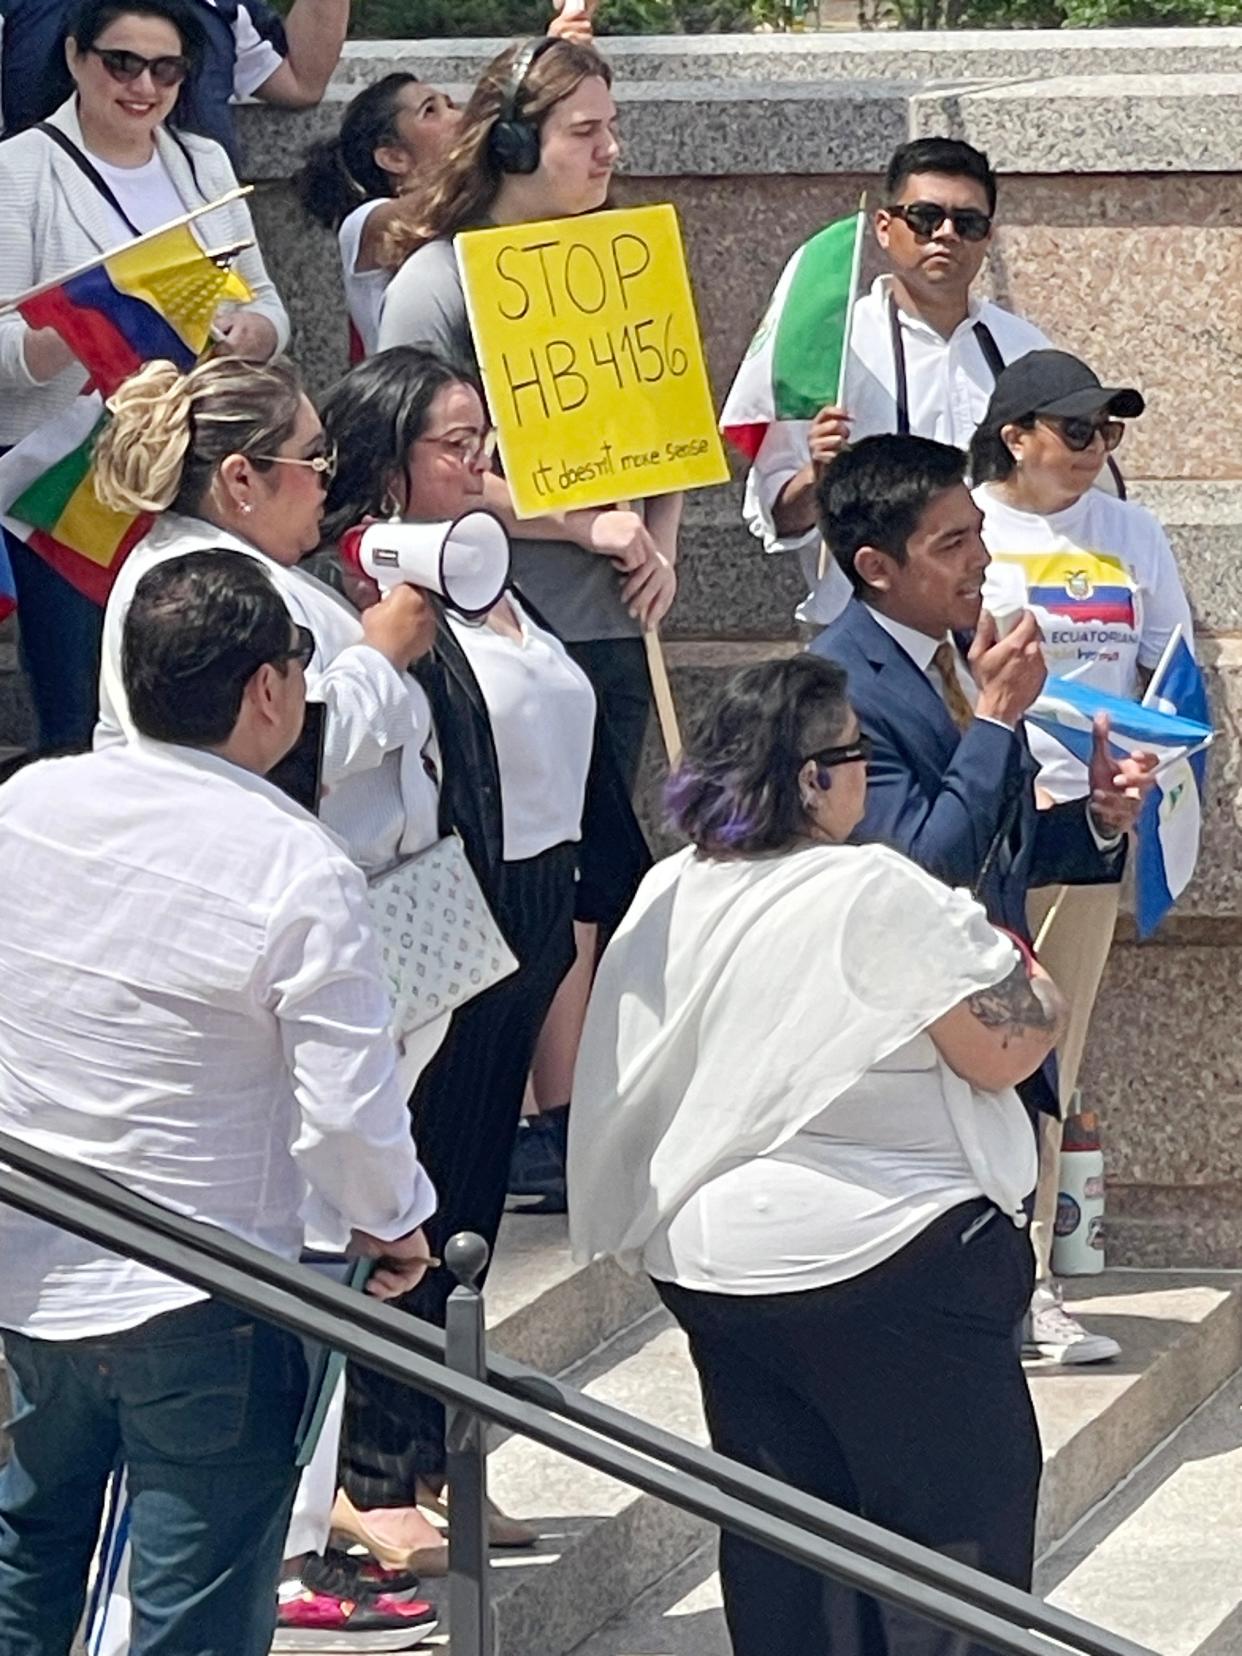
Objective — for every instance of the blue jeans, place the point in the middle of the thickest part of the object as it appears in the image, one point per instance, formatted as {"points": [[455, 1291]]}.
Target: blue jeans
{"points": [[61, 633], [201, 1405]]}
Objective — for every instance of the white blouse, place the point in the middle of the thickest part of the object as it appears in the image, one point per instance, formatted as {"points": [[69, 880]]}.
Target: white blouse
{"points": [[364, 289], [542, 711], [377, 792]]}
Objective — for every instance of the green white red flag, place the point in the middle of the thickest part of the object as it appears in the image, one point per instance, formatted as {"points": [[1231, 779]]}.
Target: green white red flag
{"points": [[796, 362]]}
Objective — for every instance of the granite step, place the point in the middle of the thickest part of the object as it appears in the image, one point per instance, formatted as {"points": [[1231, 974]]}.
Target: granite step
{"points": [[1158, 1561], [1181, 1335]]}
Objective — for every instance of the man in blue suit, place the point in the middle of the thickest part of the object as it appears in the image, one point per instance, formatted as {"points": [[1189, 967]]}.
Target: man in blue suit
{"points": [[951, 781]]}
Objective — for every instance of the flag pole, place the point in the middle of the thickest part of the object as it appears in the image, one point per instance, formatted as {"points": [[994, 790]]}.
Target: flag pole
{"points": [[126, 247], [1162, 667], [855, 268]]}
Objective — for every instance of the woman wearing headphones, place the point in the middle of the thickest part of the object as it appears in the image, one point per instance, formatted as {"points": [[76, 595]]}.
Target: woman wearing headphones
{"points": [[538, 141]]}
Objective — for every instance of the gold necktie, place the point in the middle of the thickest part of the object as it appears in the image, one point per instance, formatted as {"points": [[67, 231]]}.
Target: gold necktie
{"points": [[945, 663]]}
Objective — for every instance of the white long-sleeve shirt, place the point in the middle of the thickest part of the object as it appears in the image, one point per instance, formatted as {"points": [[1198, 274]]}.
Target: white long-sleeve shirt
{"points": [[193, 1004], [378, 795], [948, 384], [53, 219]]}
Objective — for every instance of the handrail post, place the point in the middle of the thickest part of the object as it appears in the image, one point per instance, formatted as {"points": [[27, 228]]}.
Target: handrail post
{"points": [[470, 1616]]}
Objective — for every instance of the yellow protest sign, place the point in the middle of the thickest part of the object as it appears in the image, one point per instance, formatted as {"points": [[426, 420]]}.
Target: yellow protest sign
{"points": [[589, 346]]}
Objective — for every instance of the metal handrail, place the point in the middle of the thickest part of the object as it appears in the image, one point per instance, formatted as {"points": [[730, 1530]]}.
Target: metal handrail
{"points": [[802, 1528]]}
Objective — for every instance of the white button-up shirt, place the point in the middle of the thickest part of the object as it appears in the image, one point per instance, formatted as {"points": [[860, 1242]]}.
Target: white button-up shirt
{"points": [[193, 1005], [948, 384], [377, 794]]}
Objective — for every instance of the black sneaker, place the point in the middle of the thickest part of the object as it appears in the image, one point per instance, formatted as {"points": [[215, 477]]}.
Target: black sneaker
{"points": [[342, 1605], [537, 1166]]}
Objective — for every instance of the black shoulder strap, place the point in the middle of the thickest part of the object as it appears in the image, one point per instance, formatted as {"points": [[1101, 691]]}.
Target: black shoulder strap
{"points": [[901, 390], [88, 170], [990, 349]]}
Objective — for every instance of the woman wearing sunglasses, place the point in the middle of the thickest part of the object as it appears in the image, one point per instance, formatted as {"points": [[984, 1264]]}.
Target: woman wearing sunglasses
{"points": [[108, 166], [793, 1110], [233, 454], [1101, 579]]}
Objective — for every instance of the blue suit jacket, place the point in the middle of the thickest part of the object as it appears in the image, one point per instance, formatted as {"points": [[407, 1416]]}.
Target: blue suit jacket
{"points": [[960, 804]]}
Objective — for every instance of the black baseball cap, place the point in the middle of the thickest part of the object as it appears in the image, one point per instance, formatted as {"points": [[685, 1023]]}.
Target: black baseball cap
{"points": [[1054, 382]]}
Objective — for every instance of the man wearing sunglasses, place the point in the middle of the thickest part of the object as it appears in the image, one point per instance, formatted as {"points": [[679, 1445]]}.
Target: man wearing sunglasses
{"points": [[924, 351], [194, 1007]]}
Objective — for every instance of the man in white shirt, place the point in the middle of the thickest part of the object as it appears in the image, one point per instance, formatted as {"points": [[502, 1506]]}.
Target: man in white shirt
{"points": [[193, 1005], [923, 356]]}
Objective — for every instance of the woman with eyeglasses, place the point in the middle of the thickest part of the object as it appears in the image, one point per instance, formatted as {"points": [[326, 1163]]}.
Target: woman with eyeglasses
{"points": [[1102, 581], [793, 1109], [109, 165], [544, 816], [233, 454]]}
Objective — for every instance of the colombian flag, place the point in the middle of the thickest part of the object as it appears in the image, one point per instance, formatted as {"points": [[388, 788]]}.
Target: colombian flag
{"points": [[151, 300], [1081, 586]]}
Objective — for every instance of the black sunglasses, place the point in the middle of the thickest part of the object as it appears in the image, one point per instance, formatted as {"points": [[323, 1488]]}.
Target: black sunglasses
{"points": [[301, 651], [926, 217], [850, 754], [1078, 433], [127, 66]]}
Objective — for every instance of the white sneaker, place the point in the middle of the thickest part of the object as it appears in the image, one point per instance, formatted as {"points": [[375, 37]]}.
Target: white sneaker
{"points": [[1051, 1332]]}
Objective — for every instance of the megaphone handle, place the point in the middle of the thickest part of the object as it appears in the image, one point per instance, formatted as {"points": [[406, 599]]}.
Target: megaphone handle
{"points": [[663, 692]]}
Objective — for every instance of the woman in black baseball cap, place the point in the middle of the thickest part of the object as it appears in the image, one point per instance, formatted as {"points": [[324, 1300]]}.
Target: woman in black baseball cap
{"points": [[1100, 576]]}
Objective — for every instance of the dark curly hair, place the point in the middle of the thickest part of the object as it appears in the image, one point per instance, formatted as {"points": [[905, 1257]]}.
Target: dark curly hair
{"points": [[735, 791]]}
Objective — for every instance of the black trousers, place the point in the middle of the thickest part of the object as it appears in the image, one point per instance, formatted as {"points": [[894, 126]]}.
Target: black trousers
{"points": [[617, 669], [465, 1113], [899, 1396]]}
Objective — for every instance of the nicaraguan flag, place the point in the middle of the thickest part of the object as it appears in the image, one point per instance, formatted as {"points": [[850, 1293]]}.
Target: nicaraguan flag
{"points": [[1173, 723]]}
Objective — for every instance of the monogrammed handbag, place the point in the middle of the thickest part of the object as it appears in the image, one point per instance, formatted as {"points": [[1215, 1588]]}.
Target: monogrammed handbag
{"points": [[439, 941]]}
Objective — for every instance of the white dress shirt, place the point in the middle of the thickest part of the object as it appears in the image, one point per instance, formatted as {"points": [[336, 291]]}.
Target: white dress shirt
{"points": [[193, 1004], [948, 384], [378, 732], [541, 708]]}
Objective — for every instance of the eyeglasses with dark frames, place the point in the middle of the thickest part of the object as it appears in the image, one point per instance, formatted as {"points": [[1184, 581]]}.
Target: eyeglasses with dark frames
{"points": [[849, 754], [323, 463], [926, 217], [127, 66], [1078, 433], [301, 650], [469, 449]]}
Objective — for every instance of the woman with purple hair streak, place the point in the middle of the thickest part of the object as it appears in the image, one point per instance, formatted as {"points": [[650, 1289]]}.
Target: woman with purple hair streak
{"points": [[793, 1109]]}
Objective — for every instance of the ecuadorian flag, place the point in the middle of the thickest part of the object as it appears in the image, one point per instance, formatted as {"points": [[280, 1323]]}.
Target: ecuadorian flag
{"points": [[1081, 586], [152, 300]]}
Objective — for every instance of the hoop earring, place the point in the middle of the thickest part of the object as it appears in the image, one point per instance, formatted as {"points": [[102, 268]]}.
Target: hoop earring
{"points": [[390, 507]]}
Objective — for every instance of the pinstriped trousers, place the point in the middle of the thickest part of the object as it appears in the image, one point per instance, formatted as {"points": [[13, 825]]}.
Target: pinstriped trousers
{"points": [[465, 1113]]}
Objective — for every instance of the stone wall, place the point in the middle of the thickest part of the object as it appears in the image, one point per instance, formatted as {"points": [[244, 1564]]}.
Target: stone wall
{"points": [[1121, 235]]}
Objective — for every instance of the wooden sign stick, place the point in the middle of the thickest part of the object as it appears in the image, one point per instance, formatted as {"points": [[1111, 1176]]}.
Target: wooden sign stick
{"points": [[661, 689]]}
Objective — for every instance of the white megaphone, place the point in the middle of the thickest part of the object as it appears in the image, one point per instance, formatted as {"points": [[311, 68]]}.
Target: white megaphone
{"points": [[466, 560]]}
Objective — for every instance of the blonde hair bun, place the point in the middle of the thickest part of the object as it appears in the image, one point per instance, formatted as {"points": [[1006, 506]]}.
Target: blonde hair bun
{"points": [[141, 451]]}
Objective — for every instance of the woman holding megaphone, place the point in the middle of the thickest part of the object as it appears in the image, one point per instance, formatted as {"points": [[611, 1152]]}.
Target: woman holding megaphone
{"points": [[233, 455], [544, 815]]}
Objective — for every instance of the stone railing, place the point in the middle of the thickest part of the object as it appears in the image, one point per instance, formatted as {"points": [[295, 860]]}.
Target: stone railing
{"points": [[1121, 235]]}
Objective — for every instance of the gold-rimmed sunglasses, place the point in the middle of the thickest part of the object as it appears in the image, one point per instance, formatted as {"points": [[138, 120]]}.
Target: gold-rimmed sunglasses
{"points": [[324, 464]]}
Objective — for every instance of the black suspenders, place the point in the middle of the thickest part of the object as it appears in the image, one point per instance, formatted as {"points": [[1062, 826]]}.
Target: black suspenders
{"points": [[991, 355]]}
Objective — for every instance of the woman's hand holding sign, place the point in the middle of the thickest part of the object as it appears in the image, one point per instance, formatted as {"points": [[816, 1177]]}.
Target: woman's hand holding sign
{"points": [[620, 535]]}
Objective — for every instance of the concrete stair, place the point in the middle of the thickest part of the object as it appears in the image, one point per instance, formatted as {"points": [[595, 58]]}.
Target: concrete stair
{"points": [[618, 1573]]}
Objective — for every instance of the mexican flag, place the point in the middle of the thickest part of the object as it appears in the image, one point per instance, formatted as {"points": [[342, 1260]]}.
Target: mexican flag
{"points": [[796, 362]]}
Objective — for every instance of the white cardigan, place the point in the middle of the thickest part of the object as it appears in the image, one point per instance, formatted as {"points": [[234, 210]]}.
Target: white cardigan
{"points": [[52, 219]]}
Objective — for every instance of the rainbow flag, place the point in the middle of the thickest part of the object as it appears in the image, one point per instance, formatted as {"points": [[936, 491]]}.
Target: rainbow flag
{"points": [[48, 500], [8, 587], [151, 300]]}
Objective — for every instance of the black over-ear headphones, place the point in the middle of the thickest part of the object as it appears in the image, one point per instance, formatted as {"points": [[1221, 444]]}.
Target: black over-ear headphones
{"points": [[513, 145]]}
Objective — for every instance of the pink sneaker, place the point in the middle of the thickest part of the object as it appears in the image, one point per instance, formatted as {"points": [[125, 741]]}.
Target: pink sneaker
{"points": [[311, 1621]]}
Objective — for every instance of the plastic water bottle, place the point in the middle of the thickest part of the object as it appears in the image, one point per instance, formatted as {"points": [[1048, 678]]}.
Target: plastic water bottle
{"points": [[1078, 1239]]}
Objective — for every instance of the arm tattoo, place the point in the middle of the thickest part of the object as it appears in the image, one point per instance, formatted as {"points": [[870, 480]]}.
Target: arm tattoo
{"points": [[1013, 1006]]}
